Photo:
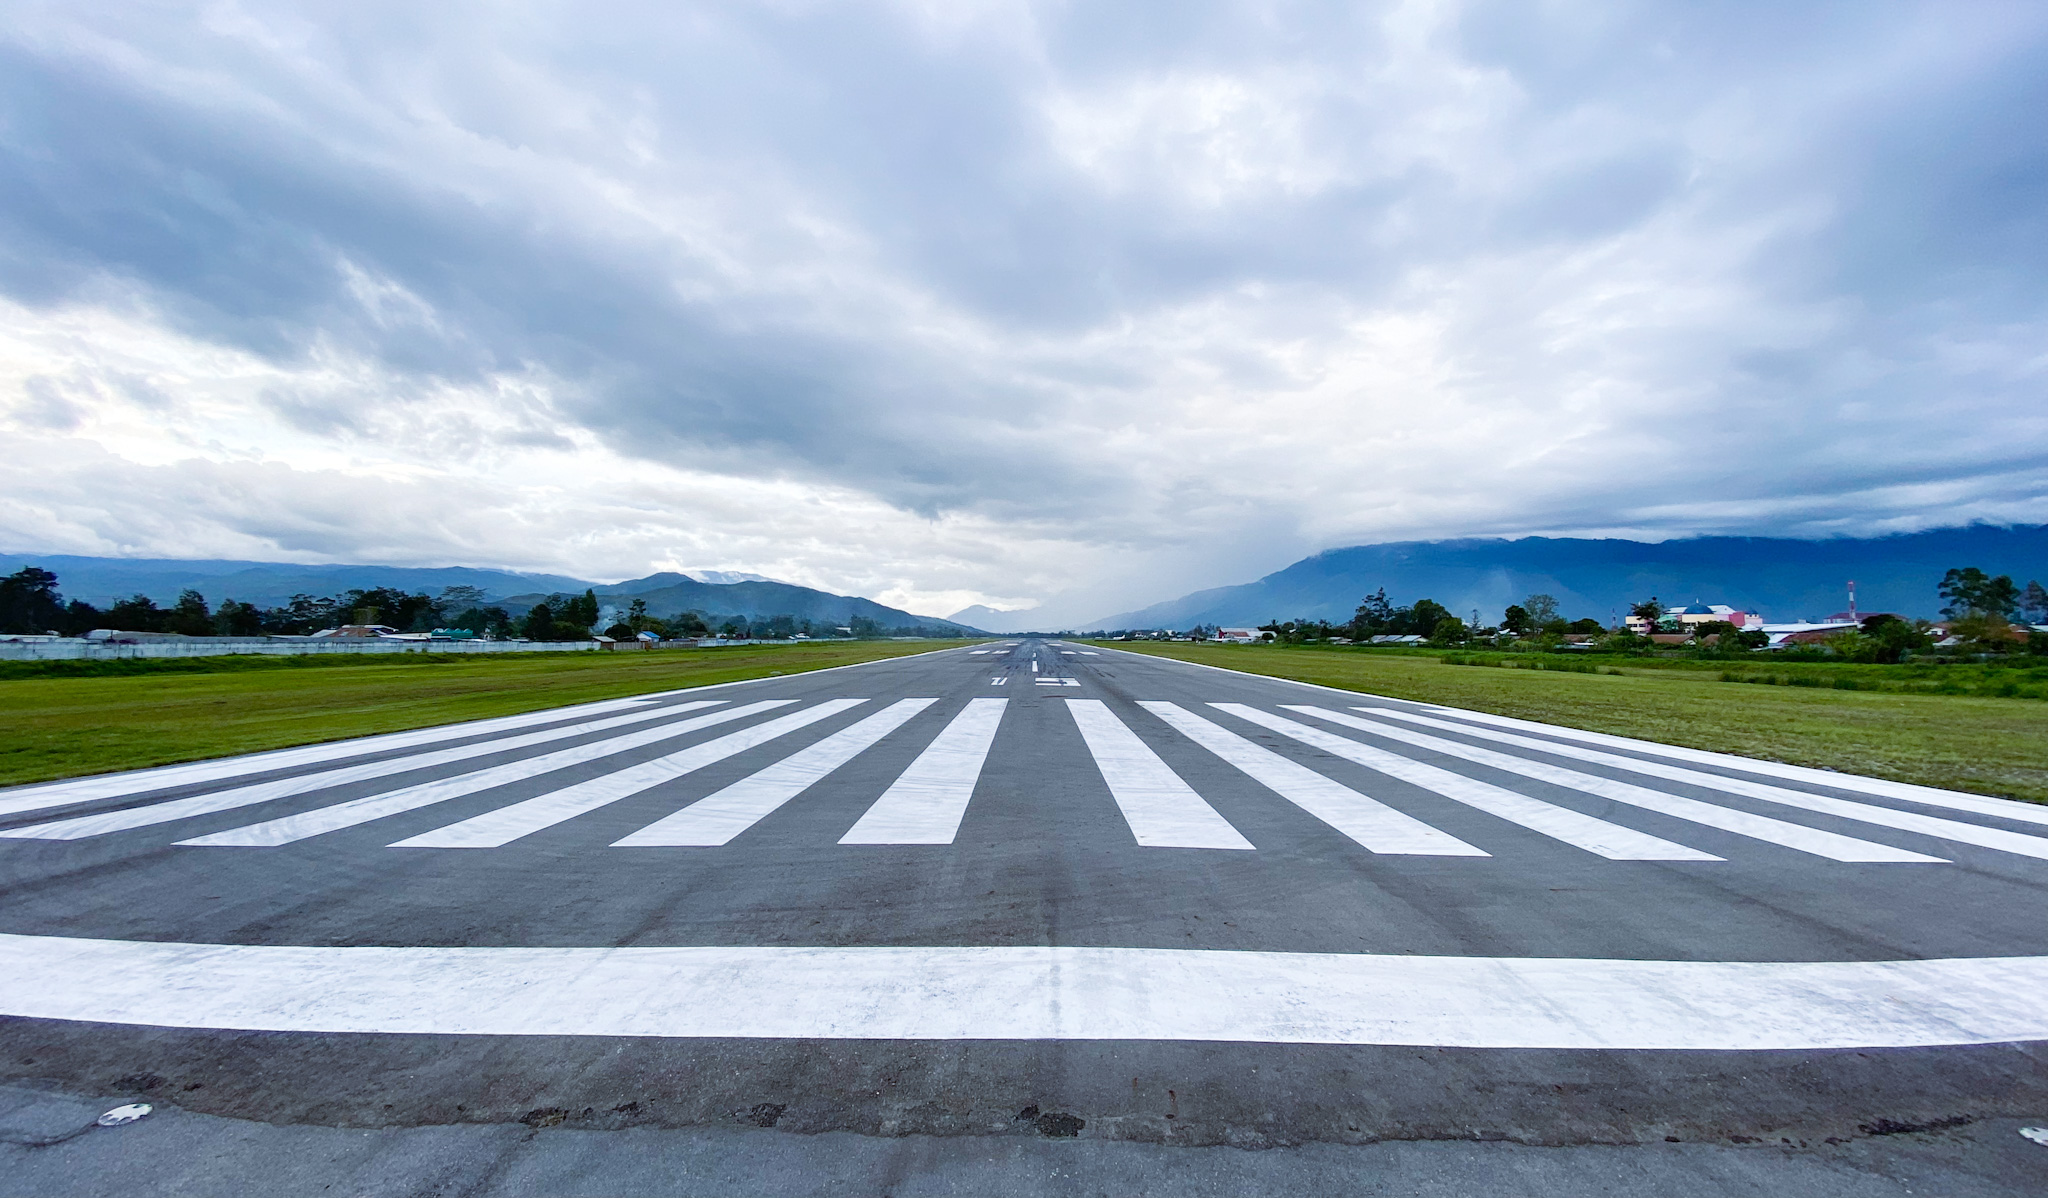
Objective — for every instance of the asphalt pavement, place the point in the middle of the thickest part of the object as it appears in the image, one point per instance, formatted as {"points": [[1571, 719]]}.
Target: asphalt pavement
{"points": [[918, 923]]}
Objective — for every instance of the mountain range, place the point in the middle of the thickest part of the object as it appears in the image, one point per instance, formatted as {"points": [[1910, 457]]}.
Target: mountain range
{"points": [[1781, 578], [101, 581]]}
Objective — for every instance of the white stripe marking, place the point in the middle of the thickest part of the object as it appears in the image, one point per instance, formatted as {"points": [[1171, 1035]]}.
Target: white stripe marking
{"points": [[507, 824], [1792, 836], [1163, 811], [272, 833], [2014, 809], [926, 804], [263, 792], [717, 818], [1030, 993], [1596, 836], [1905, 821], [1368, 821], [107, 786]]}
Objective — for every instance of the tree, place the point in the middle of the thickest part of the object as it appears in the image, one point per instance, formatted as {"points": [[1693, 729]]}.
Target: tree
{"points": [[136, 613], [1970, 591], [539, 624], [237, 619], [2034, 603], [1518, 620], [1586, 627], [189, 616], [460, 598], [29, 602], [1890, 639], [1425, 616], [1542, 610], [1649, 610], [1449, 630], [1374, 617]]}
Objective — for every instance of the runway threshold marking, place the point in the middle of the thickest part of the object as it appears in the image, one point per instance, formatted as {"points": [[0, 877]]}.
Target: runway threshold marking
{"points": [[926, 804], [1597, 836], [1162, 810], [1366, 820], [2012, 809], [320, 821], [168, 810], [1029, 993], [134, 782], [507, 824], [717, 818], [1798, 837], [1887, 817]]}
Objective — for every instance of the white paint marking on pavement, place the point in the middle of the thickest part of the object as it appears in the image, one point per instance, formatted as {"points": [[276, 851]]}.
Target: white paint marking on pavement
{"points": [[997, 681], [926, 804], [1368, 821], [1886, 817], [1030, 993], [1034, 665], [2013, 809], [277, 788], [507, 824], [272, 833], [1581, 831], [1775, 831], [107, 786], [716, 818], [1163, 811]]}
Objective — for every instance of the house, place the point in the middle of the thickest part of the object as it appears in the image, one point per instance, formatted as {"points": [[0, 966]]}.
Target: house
{"points": [[1241, 636], [1699, 613], [359, 631]]}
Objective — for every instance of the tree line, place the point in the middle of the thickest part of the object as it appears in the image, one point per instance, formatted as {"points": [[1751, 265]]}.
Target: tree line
{"points": [[31, 604]]}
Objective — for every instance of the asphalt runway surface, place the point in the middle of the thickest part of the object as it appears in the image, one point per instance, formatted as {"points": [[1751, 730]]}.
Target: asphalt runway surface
{"points": [[1038, 890]]}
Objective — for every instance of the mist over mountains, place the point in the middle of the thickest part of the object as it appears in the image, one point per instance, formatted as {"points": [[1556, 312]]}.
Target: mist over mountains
{"points": [[101, 581], [1783, 579]]}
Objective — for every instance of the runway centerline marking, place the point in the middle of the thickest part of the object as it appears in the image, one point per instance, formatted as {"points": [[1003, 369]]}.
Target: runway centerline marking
{"points": [[1029, 993]]}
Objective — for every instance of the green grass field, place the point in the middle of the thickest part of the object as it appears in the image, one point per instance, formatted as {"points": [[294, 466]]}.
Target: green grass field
{"points": [[1986, 744], [95, 717]]}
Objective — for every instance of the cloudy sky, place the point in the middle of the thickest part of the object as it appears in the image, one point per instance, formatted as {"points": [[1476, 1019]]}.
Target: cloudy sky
{"points": [[1070, 305]]}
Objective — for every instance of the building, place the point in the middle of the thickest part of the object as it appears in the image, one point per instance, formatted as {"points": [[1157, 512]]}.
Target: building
{"points": [[1241, 636], [1699, 613]]}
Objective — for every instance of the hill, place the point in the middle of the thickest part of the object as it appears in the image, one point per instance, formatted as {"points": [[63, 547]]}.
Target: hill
{"points": [[101, 581], [669, 594], [1783, 579]]}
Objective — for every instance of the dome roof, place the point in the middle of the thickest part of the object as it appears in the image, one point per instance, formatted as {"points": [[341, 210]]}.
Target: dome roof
{"points": [[1698, 609]]}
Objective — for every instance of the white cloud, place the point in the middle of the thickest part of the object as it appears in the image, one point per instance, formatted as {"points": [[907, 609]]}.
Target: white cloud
{"points": [[1029, 306]]}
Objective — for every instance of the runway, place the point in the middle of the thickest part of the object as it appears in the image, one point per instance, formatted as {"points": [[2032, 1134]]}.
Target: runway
{"points": [[925, 893]]}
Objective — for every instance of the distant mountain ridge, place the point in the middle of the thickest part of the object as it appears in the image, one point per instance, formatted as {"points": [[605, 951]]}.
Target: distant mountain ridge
{"points": [[102, 581], [670, 593], [1782, 578]]}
